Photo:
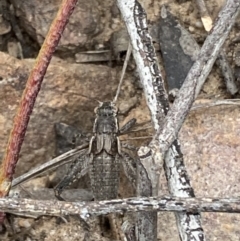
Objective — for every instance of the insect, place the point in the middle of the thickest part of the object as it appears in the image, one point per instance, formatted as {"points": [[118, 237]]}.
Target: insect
{"points": [[102, 160], [103, 157]]}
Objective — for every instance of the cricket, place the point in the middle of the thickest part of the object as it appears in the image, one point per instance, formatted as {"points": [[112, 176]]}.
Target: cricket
{"points": [[161, 172]]}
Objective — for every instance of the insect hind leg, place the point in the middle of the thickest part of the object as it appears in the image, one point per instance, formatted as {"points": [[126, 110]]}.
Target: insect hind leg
{"points": [[130, 168], [78, 169]]}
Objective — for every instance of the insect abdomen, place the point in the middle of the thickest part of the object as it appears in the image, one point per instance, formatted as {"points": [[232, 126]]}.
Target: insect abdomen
{"points": [[104, 176]]}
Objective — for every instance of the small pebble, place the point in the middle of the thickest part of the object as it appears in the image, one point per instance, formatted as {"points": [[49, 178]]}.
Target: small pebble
{"points": [[114, 26], [99, 46], [24, 223], [198, 24], [52, 232], [191, 29]]}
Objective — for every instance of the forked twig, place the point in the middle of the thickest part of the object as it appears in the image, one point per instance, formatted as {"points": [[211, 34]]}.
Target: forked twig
{"points": [[158, 104]]}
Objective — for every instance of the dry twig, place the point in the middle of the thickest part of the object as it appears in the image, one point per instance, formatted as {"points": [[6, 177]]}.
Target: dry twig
{"points": [[137, 204], [157, 100], [29, 96]]}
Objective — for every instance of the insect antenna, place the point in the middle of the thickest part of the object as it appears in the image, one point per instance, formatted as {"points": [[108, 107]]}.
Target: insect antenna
{"points": [[90, 98], [129, 50], [137, 138]]}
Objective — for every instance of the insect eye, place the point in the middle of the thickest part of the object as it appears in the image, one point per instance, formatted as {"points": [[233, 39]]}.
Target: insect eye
{"points": [[114, 108]]}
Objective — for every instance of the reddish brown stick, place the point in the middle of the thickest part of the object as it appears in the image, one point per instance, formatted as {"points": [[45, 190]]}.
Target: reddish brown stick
{"points": [[30, 93]]}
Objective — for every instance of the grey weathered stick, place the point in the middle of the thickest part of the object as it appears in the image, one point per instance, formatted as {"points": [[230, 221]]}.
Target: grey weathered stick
{"points": [[132, 13], [87, 209], [222, 58], [189, 224], [157, 100], [71, 195], [196, 76], [212, 103]]}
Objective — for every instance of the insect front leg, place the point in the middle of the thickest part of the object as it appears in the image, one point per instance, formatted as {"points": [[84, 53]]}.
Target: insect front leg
{"points": [[77, 170]]}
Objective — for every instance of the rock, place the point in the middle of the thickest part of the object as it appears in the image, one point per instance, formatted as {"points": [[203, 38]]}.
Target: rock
{"points": [[84, 24], [209, 137], [178, 48], [5, 26]]}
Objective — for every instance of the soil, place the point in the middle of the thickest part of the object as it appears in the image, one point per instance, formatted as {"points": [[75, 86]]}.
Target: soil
{"points": [[81, 65]]}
